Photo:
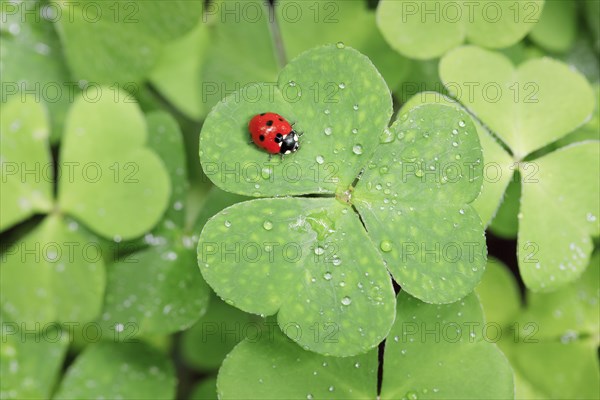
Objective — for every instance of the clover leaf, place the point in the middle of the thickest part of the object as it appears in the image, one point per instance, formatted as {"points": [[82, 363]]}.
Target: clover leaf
{"points": [[56, 271], [288, 252], [107, 141], [551, 100], [32, 61], [205, 390], [415, 364], [24, 131], [53, 259], [342, 106], [350, 22], [527, 107], [90, 31], [552, 341], [206, 344], [427, 30], [30, 363], [119, 370], [557, 29], [498, 163], [159, 290]]}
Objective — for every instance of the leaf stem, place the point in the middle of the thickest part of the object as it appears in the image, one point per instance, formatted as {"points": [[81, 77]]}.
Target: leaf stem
{"points": [[276, 37]]}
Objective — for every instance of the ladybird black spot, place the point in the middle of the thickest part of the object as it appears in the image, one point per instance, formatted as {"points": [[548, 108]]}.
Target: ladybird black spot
{"points": [[262, 114], [261, 138], [269, 123], [281, 119]]}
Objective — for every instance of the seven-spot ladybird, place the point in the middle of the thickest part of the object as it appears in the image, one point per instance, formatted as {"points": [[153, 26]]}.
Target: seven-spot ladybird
{"points": [[273, 133]]}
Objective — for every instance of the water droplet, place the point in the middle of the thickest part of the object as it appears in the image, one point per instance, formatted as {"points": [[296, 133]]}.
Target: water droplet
{"points": [[590, 217], [292, 83], [461, 123], [455, 131], [309, 396], [412, 395], [383, 170], [320, 160], [457, 157], [386, 246], [342, 85], [340, 45], [400, 135], [227, 224], [268, 225], [461, 211], [327, 276], [454, 144], [346, 301], [357, 365], [328, 131], [387, 136], [319, 250], [419, 173], [357, 149], [327, 112], [337, 261], [331, 388], [355, 107]]}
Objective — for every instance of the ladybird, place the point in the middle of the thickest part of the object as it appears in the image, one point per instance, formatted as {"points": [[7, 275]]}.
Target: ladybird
{"points": [[273, 133]]}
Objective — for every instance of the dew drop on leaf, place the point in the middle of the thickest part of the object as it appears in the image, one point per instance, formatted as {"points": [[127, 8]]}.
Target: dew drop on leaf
{"points": [[340, 45], [412, 395], [268, 225], [461, 123], [357, 149], [342, 85], [327, 276], [346, 301], [328, 131], [320, 160], [355, 107], [386, 246], [227, 224], [319, 250]]}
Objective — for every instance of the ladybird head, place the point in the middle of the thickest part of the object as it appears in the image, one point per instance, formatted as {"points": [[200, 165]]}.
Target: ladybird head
{"points": [[289, 143]]}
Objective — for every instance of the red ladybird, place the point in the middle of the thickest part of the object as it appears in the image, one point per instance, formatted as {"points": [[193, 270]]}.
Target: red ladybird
{"points": [[273, 133]]}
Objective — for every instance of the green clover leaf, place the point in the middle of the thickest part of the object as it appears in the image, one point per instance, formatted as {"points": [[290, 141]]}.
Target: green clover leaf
{"points": [[557, 27], [56, 271], [333, 253], [322, 275], [159, 290], [417, 361], [427, 30], [92, 31], [30, 364], [50, 261], [527, 107], [24, 136], [342, 103], [206, 344], [120, 169], [412, 362], [554, 340], [119, 370], [537, 103], [32, 61], [494, 156]]}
